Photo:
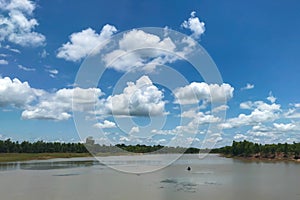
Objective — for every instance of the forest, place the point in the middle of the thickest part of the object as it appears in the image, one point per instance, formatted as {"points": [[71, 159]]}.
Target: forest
{"points": [[237, 149], [8, 146], [255, 150]]}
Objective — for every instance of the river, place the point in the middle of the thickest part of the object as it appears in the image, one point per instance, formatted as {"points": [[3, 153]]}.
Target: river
{"points": [[211, 178]]}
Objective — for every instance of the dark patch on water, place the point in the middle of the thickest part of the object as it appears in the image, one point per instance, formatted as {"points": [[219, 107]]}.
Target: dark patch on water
{"points": [[71, 174], [47, 165], [185, 186], [169, 181], [202, 172], [211, 183], [57, 165]]}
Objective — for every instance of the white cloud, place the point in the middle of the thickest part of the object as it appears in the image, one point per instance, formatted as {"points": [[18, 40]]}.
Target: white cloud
{"points": [[3, 62], [17, 93], [193, 126], [260, 134], [292, 114], [297, 105], [284, 127], [82, 43], [11, 49], [138, 99], [151, 50], [195, 92], [248, 105], [44, 53], [124, 139], [52, 72], [141, 98], [248, 87], [214, 138], [199, 117], [134, 130], [261, 112], [220, 108], [59, 105], [22, 5], [17, 24], [106, 124], [195, 25], [26, 68], [271, 98], [240, 137]]}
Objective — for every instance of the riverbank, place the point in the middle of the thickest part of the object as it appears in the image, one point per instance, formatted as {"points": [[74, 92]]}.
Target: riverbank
{"points": [[254, 158], [14, 157]]}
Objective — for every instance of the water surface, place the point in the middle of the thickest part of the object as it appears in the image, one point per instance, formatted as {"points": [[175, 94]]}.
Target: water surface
{"points": [[210, 179]]}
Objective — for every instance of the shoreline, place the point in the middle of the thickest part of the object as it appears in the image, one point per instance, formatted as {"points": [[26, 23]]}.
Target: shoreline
{"points": [[260, 159], [18, 157]]}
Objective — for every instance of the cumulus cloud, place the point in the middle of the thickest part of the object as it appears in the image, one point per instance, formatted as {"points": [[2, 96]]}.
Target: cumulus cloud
{"points": [[196, 92], [261, 112], [240, 137], [15, 93], [285, 127], [192, 127], [248, 87], [151, 51], [292, 113], [106, 124], [82, 43], [22, 5], [200, 116], [194, 25], [17, 23], [248, 105], [141, 98], [59, 105], [3, 62], [274, 133]]}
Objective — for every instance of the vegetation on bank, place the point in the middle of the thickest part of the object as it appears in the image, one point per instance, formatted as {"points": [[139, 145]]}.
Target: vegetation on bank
{"points": [[15, 151], [248, 149], [157, 149], [12, 157], [9, 146]]}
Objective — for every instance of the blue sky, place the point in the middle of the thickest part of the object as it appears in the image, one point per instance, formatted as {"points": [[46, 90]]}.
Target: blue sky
{"points": [[253, 44]]}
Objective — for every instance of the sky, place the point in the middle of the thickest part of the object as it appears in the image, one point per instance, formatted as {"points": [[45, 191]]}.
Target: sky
{"points": [[205, 74]]}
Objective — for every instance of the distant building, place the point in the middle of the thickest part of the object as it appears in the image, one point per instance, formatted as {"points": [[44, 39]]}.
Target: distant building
{"points": [[90, 140]]}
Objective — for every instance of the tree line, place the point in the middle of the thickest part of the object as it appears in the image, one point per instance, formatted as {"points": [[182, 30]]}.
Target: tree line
{"points": [[9, 146], [250, 149], [238, 149], [157, 149]]}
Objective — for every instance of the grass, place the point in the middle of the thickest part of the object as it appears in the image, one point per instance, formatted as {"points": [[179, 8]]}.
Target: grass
{"points": [[12, 157]]}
